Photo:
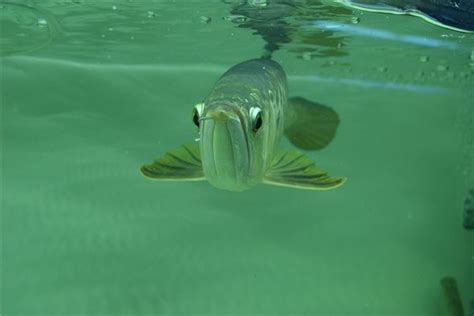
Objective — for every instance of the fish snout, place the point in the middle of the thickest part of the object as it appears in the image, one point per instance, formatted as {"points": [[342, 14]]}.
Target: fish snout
{"points": [[225, 150], [221, 115]]}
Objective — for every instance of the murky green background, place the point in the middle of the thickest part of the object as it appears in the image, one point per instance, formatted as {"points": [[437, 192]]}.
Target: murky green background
{"points": [[90, 90]]}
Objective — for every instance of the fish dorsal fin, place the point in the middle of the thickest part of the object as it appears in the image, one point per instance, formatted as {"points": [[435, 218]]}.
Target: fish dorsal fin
{"points": [[182, 163], [294, 169], [311, 125]]}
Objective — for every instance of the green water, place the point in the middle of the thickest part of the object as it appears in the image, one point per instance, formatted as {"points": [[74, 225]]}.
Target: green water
{"points": [[91, 90]]}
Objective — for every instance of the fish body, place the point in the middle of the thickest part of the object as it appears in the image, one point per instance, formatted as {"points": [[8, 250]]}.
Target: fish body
{"points": [[452, 296], [240, 124], [234, 152], [468, 222]]}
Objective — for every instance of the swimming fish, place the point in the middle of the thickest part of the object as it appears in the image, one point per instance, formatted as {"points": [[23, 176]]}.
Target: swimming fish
{"points": [[452, 296], [468, 222], [240, 125], [457, 15]]}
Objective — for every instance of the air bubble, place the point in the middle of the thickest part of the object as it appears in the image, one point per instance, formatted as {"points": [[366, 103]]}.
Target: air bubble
{"points": [[42, 23], [114, 7], [206, 19], [442, 67], [355, 20]]}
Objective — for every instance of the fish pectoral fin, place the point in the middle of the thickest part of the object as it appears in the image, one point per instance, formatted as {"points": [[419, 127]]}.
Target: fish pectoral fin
{"points": [[182, 163], [294, 169], [311, 125]]}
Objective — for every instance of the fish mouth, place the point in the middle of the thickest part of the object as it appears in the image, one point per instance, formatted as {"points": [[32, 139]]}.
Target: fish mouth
{"points": [[225, 150]]}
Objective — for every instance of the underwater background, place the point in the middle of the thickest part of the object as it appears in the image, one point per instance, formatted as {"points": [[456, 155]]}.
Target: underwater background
{"points": [[91, 90]]}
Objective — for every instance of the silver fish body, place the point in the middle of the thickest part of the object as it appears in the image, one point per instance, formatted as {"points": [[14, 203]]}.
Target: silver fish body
{"points": [[240, 124], [235, 153]]}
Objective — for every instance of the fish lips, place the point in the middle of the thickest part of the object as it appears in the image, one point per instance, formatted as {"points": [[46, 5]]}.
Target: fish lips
{"points": [[225, 150]]}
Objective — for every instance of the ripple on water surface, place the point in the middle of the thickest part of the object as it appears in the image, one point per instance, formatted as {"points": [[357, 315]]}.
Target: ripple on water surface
{"points": [[25, 28]]}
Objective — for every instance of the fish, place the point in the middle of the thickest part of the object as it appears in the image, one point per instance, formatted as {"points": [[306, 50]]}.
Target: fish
{"points": [[457, 15], [240, 125], [468, 221], [452, 297]]}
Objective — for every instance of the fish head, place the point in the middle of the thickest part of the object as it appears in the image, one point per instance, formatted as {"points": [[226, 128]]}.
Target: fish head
{"points": [[231, 144]]}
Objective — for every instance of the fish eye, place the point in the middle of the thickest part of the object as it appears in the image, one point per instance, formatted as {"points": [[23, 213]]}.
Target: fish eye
{"points": [[197, 111], [196, 117], [256, 117]]}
